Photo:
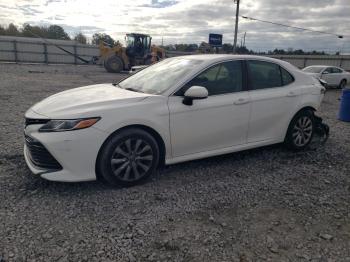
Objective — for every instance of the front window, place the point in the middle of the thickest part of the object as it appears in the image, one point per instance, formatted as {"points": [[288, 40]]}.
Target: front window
{"points": [[328, 70], [220, 79], [159, 77], [313, 69]]}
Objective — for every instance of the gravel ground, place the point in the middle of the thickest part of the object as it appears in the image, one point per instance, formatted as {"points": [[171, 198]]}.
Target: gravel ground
{"points": [[267, 204]]}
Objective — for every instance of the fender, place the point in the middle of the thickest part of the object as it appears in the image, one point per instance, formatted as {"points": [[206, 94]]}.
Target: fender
{"points": [[163, 132], [309, 106]]}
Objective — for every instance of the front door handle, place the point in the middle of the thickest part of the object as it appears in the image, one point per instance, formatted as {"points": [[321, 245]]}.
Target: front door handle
{"points": [[241, 101], [291, 94]]}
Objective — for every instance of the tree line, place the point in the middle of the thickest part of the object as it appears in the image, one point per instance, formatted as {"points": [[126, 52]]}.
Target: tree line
{"points": [[228, 48], [57, 32], [53, 32]]}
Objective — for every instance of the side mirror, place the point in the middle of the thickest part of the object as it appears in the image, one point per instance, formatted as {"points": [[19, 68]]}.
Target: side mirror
{"points": [[325, 73], [194, 92]]}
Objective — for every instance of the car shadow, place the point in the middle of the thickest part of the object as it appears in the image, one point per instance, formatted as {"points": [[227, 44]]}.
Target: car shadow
{"points": [[28, 183]]}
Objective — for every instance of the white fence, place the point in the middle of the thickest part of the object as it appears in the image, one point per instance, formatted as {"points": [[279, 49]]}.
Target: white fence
{"points": [[302, 61], [36, 50]]}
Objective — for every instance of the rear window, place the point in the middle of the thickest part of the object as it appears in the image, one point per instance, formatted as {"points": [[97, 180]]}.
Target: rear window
{"points": [[337, 70], [264, 74]]}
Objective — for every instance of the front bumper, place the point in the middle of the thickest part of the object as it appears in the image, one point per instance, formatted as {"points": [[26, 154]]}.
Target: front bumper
{"points": [[75, 151]]}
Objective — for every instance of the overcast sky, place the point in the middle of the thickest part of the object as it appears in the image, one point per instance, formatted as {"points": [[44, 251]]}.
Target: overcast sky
{"points": [[190, 21]]}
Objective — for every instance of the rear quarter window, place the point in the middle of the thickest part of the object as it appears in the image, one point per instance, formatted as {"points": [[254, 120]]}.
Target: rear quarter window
{"points": [[287, 78]]}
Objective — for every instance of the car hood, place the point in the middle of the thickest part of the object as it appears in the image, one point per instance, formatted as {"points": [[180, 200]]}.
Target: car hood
{"points": [[84, 101]]}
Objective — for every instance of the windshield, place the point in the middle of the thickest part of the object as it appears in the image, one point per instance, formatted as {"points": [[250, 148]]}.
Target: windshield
{"points": [[313, 69], [161, 76], [130, 40]]}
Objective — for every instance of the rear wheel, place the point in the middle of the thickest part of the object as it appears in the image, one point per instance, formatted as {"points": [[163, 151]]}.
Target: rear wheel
{"points": [[301, 130], [128, 157], [342, 84], [114, 64]]}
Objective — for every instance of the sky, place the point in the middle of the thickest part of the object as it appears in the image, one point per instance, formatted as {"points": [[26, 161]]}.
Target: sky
{"points": [[190, 21]]}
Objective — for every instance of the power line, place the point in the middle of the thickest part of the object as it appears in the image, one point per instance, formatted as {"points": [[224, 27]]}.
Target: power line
{"points": [[295, 27]]}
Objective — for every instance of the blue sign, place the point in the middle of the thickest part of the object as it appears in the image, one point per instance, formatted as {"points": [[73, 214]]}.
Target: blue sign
{"points": [[215, 40]]}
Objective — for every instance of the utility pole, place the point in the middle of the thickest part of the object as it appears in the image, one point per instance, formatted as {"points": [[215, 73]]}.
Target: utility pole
{"points": [[245, 33], [236, 26]]}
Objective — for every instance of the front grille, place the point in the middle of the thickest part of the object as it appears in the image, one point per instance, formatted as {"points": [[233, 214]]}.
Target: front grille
{"points": [[40, 156], [32, 121]]}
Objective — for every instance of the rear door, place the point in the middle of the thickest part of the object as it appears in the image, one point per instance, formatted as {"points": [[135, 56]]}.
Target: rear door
{"points": [[274, 98]]}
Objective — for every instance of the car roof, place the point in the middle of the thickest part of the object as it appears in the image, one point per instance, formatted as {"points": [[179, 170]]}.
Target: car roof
{"points": [[219, 57], [215, 58], [322, 66]]}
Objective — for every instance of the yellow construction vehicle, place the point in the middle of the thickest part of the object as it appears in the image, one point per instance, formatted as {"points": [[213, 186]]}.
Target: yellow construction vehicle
{"points": [[205, 48], [138, 51]]}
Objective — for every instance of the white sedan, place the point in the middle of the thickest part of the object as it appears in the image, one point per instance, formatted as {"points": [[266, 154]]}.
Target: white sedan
{"points": [[179, 109], [334, 76]]}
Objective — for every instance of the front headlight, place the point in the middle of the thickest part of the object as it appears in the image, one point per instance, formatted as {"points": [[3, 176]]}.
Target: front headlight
{"points": [[68, 124]]}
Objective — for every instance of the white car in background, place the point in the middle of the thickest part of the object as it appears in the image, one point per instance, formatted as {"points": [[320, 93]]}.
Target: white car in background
{"points": [[334, 76], [180, 109]]}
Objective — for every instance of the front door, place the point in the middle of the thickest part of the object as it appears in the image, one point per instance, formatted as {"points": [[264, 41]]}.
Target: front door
{"points": [[219, 121], [330, 76]]}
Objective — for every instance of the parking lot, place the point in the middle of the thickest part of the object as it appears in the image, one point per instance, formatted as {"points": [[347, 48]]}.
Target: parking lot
{"points": [[267, 204]]}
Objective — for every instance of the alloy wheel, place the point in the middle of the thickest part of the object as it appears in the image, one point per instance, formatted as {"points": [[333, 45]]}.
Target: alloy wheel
{"points": [[302, 131], [132, 159]]}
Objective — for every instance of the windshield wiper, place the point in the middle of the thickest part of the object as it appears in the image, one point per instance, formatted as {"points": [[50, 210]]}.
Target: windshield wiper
{"points": [[133, 89], [128, 88]]}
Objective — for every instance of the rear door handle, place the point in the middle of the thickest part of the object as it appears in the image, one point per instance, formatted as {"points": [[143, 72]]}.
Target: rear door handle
{"points": [[241, 101], [291, 94]]}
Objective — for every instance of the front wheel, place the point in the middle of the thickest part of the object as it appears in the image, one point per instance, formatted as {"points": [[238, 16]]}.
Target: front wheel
{"points": [[113, 64], [128, 157], [301, 130]]}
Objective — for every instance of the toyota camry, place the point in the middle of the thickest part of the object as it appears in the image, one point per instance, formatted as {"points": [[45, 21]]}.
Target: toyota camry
{"points": [[180, 109]]}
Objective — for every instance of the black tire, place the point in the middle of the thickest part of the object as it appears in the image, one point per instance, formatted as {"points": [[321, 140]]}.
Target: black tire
{"points": [[342, 84], [118, 169], [114, 64], [301, 130], [148, 60]]}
